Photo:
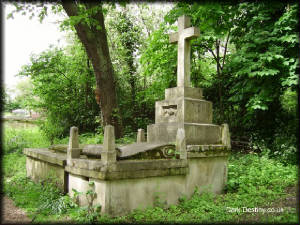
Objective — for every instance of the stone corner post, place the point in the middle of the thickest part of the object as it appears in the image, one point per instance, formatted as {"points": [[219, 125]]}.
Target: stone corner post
{"points": [[181, 143], [73, 150], [226, 135], [109, 154], [140, 136]]}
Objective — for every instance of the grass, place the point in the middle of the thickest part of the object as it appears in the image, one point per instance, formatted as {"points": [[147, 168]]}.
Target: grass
{"points": [[254, 181]]}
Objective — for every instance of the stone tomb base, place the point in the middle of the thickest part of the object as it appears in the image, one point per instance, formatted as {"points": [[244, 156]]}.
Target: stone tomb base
{"points": [[134, 184]]}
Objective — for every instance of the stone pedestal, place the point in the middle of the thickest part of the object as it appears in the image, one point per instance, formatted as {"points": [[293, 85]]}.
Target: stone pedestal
{"points": [[184, 107]]}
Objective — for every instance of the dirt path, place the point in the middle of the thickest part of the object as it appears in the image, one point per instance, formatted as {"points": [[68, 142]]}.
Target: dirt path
{"points": [[11, 213]]}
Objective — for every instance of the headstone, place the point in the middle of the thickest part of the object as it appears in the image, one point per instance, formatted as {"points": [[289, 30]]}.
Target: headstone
{"points": [[109, 153], [182, 37], [140, 136], [73, 150], [181, 143]]}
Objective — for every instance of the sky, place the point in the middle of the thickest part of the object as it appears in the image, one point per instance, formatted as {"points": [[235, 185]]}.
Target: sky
{"points": [[22, 37]]}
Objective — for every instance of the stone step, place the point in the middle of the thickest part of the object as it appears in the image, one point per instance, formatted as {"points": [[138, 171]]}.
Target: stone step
{"points": [[189, 92], [183, 109], [196, 133]]}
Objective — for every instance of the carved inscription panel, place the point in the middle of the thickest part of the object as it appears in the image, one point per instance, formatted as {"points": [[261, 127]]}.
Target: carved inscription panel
{"points": [[169, 112]]}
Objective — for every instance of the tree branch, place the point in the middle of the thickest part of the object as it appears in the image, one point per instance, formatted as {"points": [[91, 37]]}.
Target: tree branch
{"points": [[209, 49], [225, 51]]}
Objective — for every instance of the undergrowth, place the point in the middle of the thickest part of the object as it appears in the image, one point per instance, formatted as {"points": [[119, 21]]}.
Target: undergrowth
{"points": [[253, 181]]}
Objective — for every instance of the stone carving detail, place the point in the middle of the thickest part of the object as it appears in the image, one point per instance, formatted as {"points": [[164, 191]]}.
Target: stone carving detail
{"points": [[170, 111], [168, 152]]}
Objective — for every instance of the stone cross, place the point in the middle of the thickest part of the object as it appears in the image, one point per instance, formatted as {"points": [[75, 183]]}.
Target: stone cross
{"points": [[182, 37]]}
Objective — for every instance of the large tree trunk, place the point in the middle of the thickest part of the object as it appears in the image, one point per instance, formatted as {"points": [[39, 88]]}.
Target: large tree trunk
{"points": [[95, 42]]}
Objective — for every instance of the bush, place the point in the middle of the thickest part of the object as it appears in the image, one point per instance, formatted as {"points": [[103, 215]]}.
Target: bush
{"points": [[251, 174], [16, 139]]}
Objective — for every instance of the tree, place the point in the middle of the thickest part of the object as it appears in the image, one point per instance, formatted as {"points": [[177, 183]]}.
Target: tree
{"points": [[88, 20], [63, 84], [91, 32]]}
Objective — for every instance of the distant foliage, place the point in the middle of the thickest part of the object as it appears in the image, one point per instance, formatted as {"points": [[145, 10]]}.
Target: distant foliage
{"points": [[64, 82]]}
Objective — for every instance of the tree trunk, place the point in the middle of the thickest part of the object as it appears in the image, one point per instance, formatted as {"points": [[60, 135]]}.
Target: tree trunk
{"points": [[219, 73], [95, 42]]}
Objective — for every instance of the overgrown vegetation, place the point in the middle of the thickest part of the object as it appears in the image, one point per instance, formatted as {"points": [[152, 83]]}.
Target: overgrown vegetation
{"points": [[253, 181]]}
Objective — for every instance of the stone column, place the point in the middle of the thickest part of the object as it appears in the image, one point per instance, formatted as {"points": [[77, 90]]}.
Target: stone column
{"points": [[226, 135], [181, 143], [140, 136], [73, 150], [109, 154]]}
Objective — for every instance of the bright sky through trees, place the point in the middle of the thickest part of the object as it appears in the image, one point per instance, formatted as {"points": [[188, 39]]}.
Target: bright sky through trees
{"points": [[23, 37]]}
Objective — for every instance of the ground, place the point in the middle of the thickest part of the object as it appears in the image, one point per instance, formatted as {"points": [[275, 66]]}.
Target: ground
{"points": [[11, 213]]}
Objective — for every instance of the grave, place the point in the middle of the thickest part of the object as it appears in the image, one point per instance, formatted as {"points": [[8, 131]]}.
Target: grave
{"points": [[183, 151]]}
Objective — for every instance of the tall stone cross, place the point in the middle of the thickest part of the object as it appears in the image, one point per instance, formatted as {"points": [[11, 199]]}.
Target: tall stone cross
{"points": [[183, 36]]}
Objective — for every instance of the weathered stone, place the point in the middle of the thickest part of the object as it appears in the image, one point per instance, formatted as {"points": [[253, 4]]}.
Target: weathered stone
{"points": [[226, 135], [109, 153], [116, 197], [42, 163], [92, 150], [44, 154], [140, 136], [63, 147], [186, 92], [181, 143], [73, 150], [185, 110], [185, 33], [136, 148], [196, 134]]}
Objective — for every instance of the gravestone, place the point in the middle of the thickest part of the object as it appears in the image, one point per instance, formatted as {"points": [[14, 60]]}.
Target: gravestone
{"points": [[184, 106]]}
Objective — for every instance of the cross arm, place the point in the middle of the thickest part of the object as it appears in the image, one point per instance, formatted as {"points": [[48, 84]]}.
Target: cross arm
{"points": [[190, 33], [173, 38]]}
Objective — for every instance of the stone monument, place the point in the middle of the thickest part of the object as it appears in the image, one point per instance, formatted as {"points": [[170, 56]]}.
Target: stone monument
{"points": [[183, 151], [184, 106]]}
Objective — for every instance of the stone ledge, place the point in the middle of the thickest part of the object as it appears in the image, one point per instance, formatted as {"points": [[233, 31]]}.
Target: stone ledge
{"points": [[115, 175], [156, 164], [200, 151], [207, 154], [175, 92], [128, 165], [204, 148], [44, 154]]}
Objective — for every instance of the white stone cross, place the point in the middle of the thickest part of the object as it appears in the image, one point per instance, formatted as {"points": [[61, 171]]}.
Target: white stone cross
{"points": [[184, 34]]}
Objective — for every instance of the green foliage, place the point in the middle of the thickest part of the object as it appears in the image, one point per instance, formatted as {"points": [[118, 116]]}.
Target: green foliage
{"points": [[265, 176], [9, 103], [65, 87], [128, 29], [267, 54], [16, 139], [159, 65]]}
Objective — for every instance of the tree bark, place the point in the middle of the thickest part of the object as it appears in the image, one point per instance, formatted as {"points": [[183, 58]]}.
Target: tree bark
{"points": [[95, 43]]}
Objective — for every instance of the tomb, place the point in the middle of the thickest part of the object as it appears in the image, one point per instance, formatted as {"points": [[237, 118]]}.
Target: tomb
{"points": [[183, 151]]}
